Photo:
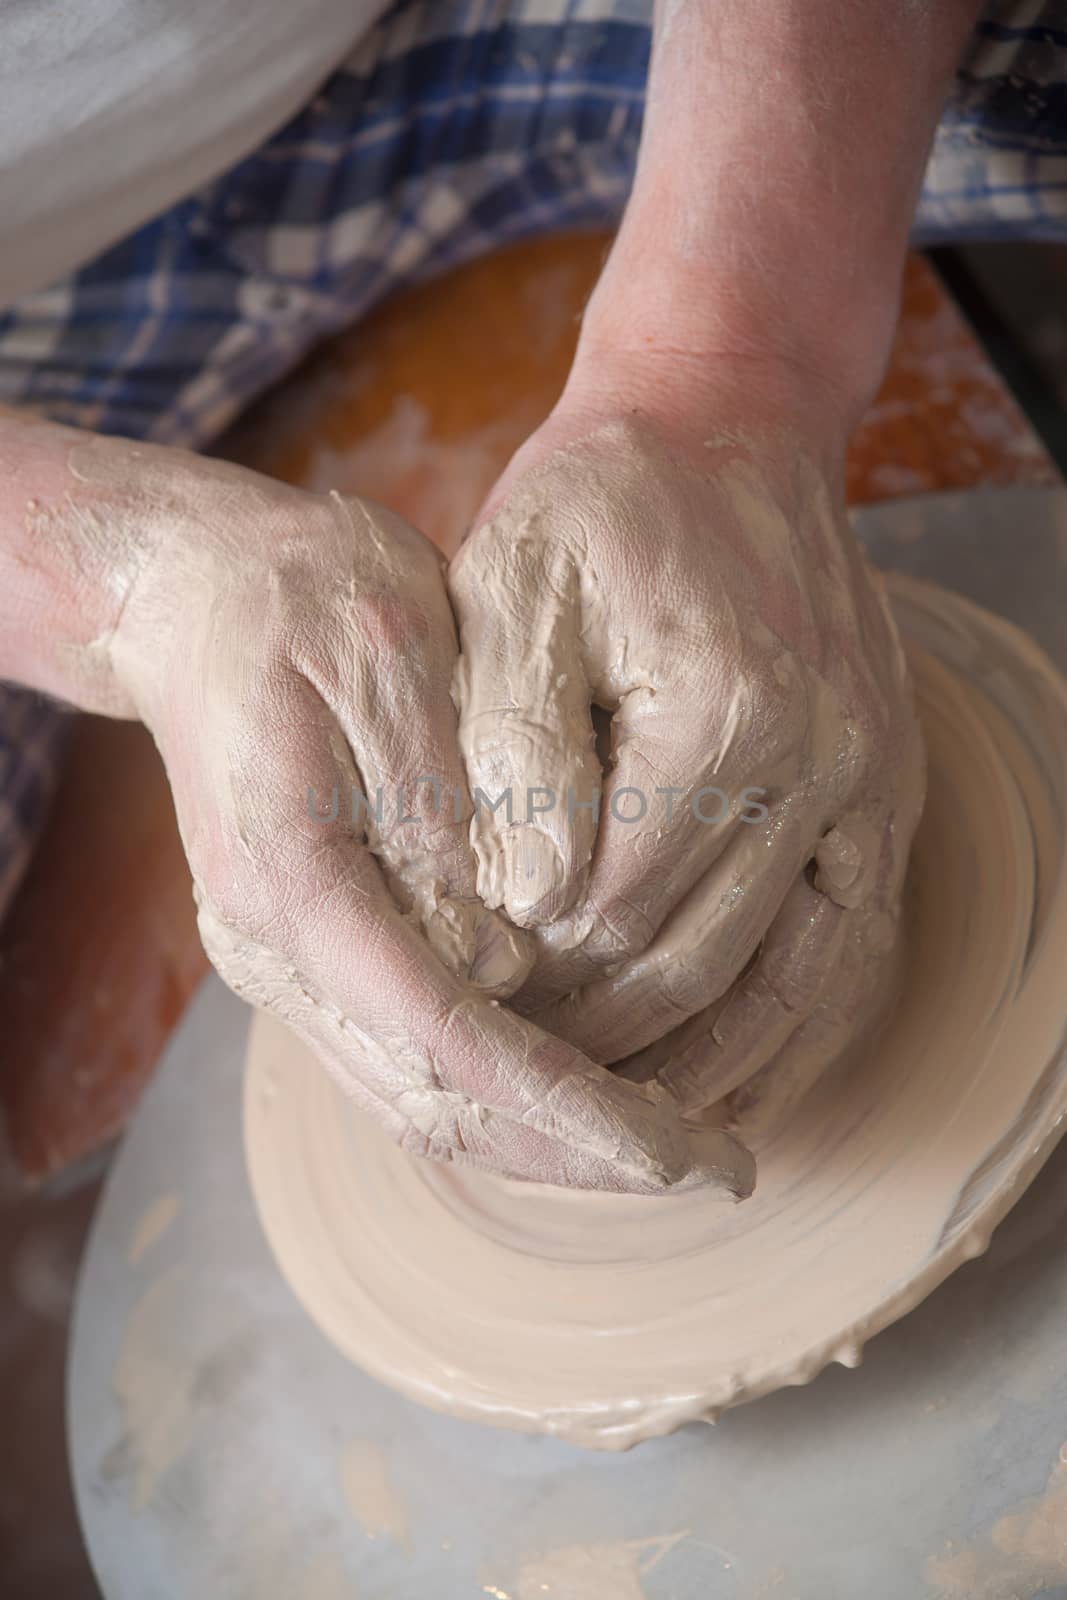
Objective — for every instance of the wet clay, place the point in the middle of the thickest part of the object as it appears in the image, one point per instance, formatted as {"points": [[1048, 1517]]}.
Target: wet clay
{"points": [[608, 1318]]}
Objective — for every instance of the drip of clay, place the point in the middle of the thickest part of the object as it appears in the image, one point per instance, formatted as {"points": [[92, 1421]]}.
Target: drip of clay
{"points": [[605, 1318]]}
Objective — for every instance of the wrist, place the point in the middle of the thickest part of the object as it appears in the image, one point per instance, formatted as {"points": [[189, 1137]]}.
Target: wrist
{"points": [[733, 395], [742, 410], [692, 345], [781, 158]]}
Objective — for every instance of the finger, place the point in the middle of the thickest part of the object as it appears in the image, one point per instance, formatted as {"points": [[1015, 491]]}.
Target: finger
{"points": [[655, 842], [299, 920], [684, 781], [797, 965], [848, 1012], [698, 953], [844, 1019], [442, 1125], [384, 666], [769, 1099], [525, 724], [587, 1144]]}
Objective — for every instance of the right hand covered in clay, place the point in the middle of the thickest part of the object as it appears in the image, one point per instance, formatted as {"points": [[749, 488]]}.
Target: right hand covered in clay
{"points": [[743, 877], [287, 650]]}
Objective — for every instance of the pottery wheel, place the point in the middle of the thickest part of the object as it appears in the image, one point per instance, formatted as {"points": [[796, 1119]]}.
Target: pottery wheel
{"points": [[221, 1446]]}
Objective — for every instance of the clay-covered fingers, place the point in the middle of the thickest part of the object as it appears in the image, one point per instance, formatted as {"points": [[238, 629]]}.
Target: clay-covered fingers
{"points": [[525, 720], [848, 1011], [382, 656], [426, 1116], [297, 916], [699, 951], [682, 786], [549, 824], [797, 967], [453, 1076]]}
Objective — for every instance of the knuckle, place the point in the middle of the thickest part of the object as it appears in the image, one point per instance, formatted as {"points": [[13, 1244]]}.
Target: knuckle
{"points": [[391, 623], [791, 985], [622, 932], [687, 988]]}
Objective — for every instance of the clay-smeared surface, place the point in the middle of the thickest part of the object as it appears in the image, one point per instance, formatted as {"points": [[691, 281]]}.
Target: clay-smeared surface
{"points": [[607, 1318]]}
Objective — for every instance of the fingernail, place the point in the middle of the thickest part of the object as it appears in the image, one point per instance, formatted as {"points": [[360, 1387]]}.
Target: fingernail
{"points": [[502, 957], [536, 880]]}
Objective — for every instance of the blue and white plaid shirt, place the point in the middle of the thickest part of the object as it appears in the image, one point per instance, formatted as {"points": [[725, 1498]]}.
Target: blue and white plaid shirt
{"points": [[458, 125]]}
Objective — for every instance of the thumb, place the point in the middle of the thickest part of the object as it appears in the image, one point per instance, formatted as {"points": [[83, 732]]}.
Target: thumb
{"points": [[525, 723]]}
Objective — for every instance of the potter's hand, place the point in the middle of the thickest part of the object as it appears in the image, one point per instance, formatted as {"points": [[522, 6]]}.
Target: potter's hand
{"points": [[766, 768], [280, 644], [689, 567]]}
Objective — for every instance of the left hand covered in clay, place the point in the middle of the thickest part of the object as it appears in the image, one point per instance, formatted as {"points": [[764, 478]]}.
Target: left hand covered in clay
{"points": [[766, 768]]}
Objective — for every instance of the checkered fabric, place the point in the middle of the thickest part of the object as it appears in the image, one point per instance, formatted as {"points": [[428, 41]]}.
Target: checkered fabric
{"points": [[999, 164], [458, 125]]}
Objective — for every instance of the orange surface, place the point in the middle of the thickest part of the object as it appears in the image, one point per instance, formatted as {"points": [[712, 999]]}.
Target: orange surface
{"points": [[419, 407], [422, 406]]}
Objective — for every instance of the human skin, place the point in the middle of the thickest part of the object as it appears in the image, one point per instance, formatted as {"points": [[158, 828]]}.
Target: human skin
{"points": [[275, 641], [675, 542]]}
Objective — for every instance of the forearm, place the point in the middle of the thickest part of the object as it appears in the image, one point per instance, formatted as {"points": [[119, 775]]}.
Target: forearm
{"points": [[67, 559], [783, 151]]}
